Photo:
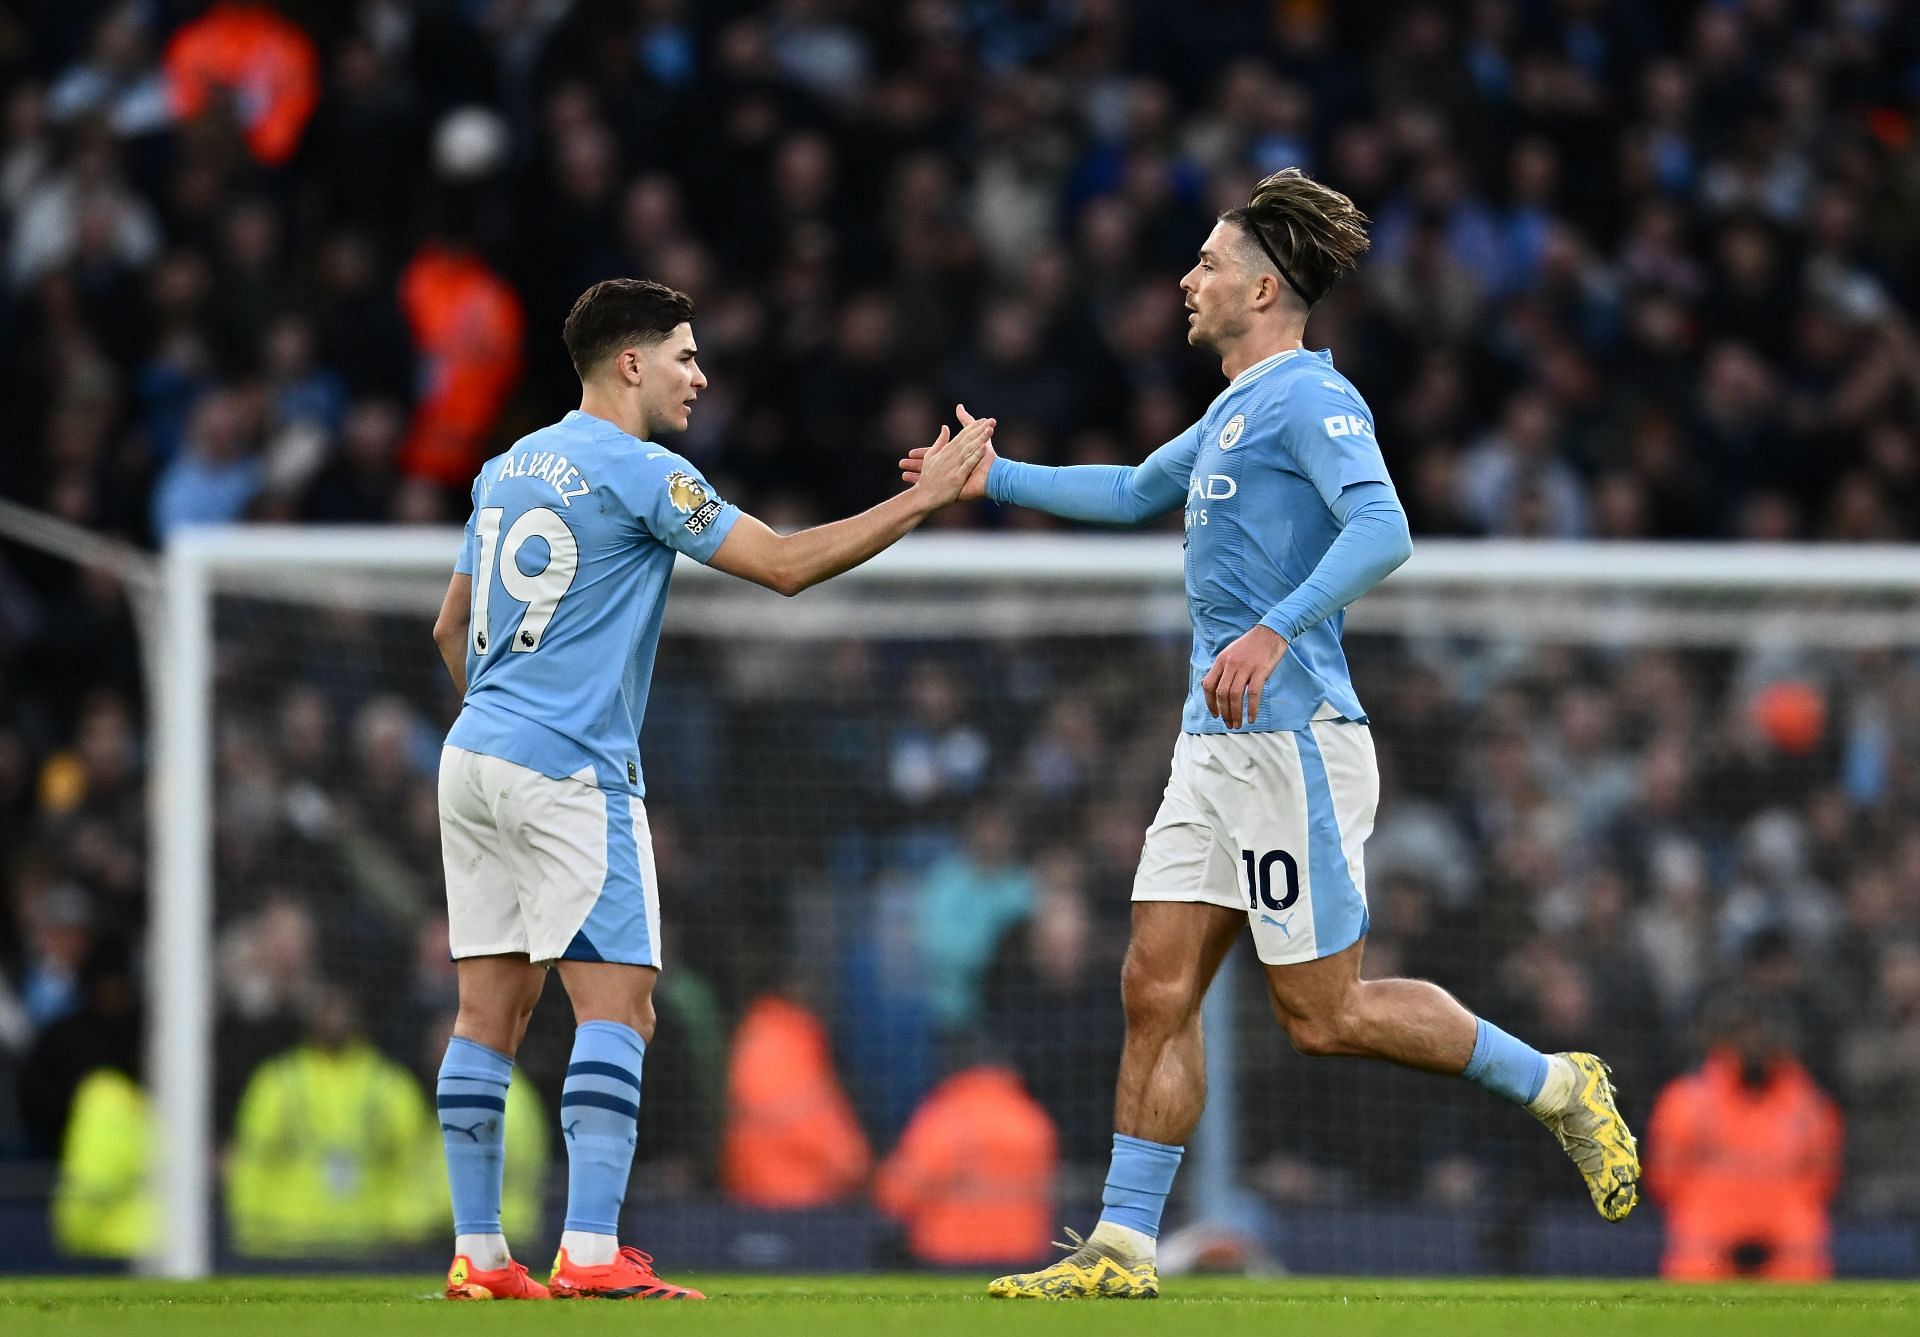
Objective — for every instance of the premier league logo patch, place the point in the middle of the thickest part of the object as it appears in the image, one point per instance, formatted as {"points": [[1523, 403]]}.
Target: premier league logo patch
{"points": [[685, 492], [1230, 434]]}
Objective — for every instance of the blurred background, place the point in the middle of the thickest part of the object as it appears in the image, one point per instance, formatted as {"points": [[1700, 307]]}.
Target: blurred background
{"points": [[1641, 271]]}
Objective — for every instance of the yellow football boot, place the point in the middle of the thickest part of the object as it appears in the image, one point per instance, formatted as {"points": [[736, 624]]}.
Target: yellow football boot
{"points": [[1597, 1139], [1088, 1272]]}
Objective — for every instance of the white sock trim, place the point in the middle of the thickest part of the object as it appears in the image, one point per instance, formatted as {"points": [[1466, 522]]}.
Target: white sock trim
{"points": [[1556, 1093], [588, 1249], [487, 1253], [1130, 1246]]}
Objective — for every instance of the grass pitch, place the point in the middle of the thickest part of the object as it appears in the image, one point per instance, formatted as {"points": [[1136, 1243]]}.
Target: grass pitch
{"points": [[915, 1306]]}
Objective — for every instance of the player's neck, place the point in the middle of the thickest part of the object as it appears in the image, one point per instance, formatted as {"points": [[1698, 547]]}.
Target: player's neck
{"points": [[1258, 347], [628, 416]]}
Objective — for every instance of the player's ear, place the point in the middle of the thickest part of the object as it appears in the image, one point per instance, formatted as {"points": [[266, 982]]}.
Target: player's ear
{"points": [[1266, 291], [630, 366]]}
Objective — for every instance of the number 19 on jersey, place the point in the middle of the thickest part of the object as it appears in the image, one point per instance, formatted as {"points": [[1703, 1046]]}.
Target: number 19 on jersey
{"points": [[540, 593]]}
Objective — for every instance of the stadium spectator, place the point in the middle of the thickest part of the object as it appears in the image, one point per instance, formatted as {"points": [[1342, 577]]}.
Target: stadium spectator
{"points": [[59, 923], [332, 1146], [972, 1179], [117, 80], [217, 474], [268, 980], [103, 1032], [103, 1205], [357, 484], [963, 907], [467, 327], [1744, 1155], [791, 1139], [936, 753], [244, 57], [1516, 482]]}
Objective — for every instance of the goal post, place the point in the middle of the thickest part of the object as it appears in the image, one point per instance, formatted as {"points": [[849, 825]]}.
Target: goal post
{"points": [[243, 606], [180, 950]]}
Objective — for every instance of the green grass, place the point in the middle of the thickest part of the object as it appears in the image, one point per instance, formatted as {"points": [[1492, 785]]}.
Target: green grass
{"points": [[937, 1306]]}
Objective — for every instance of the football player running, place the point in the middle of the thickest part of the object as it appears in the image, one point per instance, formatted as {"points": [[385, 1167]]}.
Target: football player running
{"points": [[1290, 517]]}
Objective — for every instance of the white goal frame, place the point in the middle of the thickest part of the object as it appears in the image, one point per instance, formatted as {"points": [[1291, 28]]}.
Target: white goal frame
{"points": [[200, 563]]}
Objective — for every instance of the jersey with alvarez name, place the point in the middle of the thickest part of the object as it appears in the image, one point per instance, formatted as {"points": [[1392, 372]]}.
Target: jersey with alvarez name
{"points": [[1262, 469], [571, 547]]}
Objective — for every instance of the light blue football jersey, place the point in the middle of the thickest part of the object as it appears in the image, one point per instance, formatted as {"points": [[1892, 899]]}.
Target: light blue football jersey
{"points": [[1263, 467], [571, 547]]}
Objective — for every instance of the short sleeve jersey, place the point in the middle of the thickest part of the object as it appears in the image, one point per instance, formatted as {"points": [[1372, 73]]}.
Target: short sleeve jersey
{"points": [[571, 546], [1268, 459]]}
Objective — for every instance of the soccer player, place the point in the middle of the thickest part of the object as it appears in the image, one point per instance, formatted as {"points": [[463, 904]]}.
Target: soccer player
{"points": [[1290, 517], [549, 628]]}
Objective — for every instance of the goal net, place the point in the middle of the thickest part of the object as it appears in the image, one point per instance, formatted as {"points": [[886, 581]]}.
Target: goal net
{"points": [[1618, 784]]}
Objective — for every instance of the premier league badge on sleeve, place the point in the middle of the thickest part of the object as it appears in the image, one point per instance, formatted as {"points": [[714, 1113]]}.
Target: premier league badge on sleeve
{"points": [[685, 492], [691, 498]]}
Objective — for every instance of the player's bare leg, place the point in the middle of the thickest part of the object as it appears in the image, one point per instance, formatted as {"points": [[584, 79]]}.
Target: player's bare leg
{"points": [[1175, 952], [604, 991], [1327, 1008], [497, 996], [599, 1108]]}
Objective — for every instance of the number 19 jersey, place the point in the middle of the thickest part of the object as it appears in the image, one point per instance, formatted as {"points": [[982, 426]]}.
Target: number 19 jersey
{"points": [[571, 546]]}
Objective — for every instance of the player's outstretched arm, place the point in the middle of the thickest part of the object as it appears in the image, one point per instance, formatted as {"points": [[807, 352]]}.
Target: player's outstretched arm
{"points": [[450, 628], [790, 563], [1101, 494]]}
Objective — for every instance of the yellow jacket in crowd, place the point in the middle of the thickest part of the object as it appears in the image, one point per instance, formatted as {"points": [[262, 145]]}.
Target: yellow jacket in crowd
{"points": [[328, 1155], [102, 1205], [333, 1152]]}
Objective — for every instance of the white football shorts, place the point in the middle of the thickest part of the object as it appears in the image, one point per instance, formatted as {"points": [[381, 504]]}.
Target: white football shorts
{"points": [[558, 869], [1272, 824]]}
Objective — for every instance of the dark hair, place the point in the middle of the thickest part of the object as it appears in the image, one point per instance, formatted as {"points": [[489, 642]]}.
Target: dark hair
{"points": [[616, 313], [1312, 233]]}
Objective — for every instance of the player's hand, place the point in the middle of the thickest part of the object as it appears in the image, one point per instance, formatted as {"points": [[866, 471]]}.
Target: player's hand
{"points": [[946, 467], [1240, 674], [975, 487]]}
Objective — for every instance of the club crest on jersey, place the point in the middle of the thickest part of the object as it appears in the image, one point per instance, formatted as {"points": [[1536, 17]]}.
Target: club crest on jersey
{"points": [[685, 492], [1230, 434]]}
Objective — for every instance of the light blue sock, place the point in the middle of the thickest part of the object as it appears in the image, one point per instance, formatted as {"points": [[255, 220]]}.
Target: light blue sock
{"points": [[1138, 1182], [1505, 1066], [472, 1095], [599, 1108]]}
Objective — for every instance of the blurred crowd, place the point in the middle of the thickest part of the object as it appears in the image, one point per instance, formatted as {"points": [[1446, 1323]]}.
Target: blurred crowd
{"points": [[1640, 270]]}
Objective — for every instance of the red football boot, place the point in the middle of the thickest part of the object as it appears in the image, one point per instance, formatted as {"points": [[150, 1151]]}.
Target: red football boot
{"points": [[465, 1282], [630, 1276]]}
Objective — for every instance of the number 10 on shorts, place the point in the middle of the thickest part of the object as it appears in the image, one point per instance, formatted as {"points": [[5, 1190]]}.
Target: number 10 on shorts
{"points": [[1260, 879]]}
